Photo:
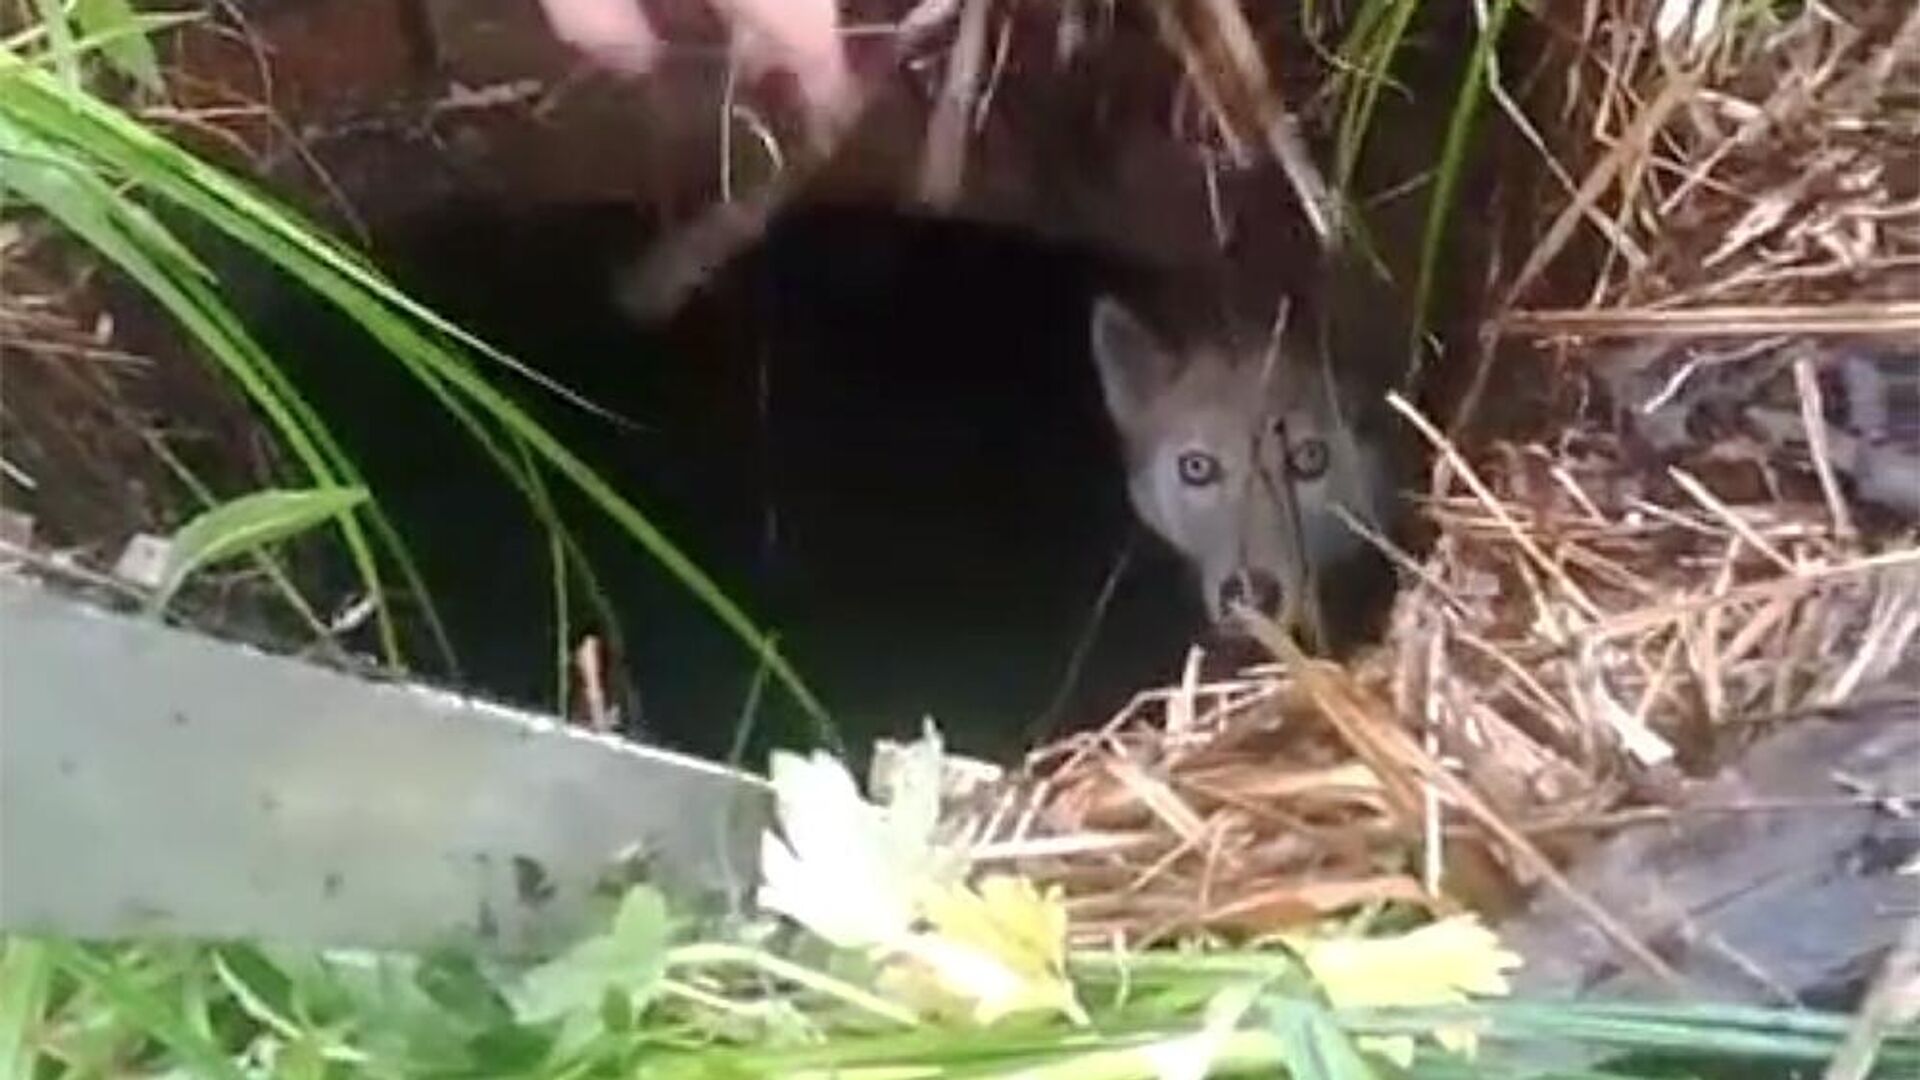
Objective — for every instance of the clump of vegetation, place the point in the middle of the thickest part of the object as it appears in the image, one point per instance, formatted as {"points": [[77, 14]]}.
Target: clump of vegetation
{"points": [[881, 954]]}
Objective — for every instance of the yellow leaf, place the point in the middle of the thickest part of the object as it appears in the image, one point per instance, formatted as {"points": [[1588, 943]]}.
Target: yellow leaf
{"points": [[1441, 963], [1000, 950], [1007, 917]]}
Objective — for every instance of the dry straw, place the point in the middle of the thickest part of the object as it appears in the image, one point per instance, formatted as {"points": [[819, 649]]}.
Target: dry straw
{"points": [[1629, 593]]}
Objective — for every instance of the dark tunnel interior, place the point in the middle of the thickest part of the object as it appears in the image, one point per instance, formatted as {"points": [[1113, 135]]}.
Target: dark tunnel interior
{"points": [[881, 434]]}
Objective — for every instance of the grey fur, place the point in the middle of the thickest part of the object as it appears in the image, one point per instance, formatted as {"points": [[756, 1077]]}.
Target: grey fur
{"points": [[1245, 411]]}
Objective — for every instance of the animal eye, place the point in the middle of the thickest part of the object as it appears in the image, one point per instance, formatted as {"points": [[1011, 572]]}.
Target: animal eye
{"points": [[1198, 469], [1307, 458]]}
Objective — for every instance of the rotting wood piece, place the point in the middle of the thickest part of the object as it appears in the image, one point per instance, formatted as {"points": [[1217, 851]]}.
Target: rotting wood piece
{"points": [[1783, 880]]}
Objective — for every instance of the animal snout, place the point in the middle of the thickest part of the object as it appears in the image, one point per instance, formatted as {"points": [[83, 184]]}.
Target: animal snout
{"points": [[1255, 589]]}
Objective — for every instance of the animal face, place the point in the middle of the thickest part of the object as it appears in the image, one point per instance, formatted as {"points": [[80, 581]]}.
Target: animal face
{"points": [[1238, 461]]}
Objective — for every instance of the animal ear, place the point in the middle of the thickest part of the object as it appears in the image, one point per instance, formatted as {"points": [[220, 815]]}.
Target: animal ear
{"points": [[1134, 367]]}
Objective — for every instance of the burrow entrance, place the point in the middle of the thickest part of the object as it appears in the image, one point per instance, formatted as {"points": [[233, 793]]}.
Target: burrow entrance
{"points": [[881, 433]]}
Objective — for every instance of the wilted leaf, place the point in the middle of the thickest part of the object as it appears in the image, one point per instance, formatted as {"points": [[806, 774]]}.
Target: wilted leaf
{"points": [[832, 872], [847, 869], [874, 878], [913, 800]]}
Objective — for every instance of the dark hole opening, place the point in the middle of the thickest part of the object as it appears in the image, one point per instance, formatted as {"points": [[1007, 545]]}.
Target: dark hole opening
{"points": [[882, 434]]}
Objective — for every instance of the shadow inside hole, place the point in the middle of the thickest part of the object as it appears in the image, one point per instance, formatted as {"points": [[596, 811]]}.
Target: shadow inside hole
{"points": [[882, 435]]}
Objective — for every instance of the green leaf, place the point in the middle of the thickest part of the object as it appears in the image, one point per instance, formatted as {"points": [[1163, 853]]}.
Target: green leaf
{"points": [[60, 44], [1316, 1047], [137, 1002], [246, 524], [26, 976], [454, 982], [629, 959], [261, 990], [121, 38], [416, 1015]]}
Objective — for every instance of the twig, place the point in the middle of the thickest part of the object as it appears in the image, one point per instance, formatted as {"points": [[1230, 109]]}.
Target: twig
{"points": [[1804, 580], [1813, 419], [1726, 514], [1493, 505], [1637, 139], [1892, 318]]}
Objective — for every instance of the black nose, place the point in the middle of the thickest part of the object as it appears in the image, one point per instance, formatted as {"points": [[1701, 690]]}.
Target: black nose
{"points": [[1252, 588]]}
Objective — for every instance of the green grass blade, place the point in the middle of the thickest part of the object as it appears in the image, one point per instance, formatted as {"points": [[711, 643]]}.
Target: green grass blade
{"points": [[60, 42], [113, 27], [1696, 1030], [637, 525], [406, 329], [247, 524], [1452, 167], [202, 494], [109, 40], [150, 1011], [26, 983], [559, 570], [520, 469], [127, 236], [268, 225], [1370, 46]]}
